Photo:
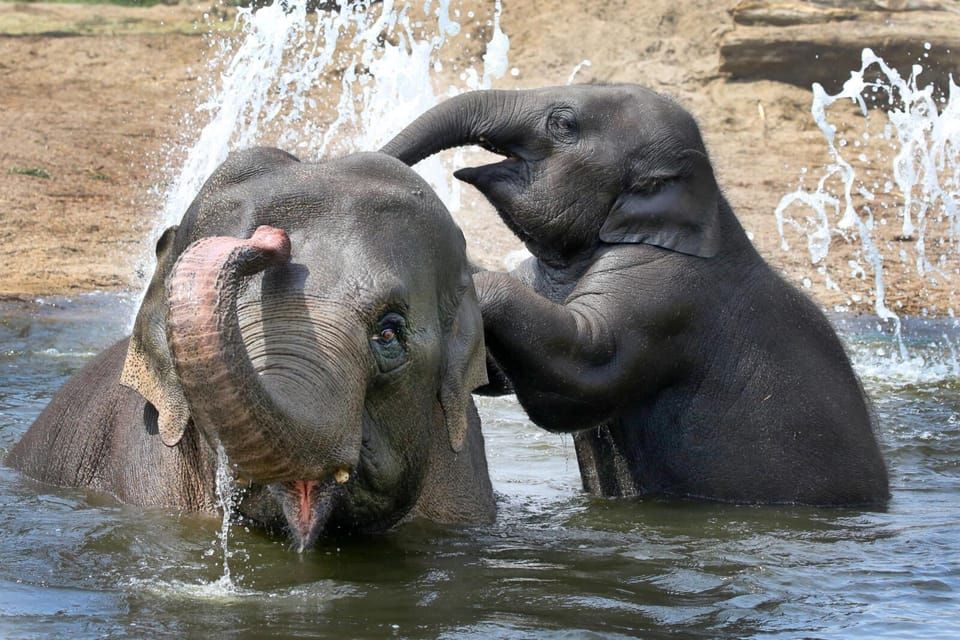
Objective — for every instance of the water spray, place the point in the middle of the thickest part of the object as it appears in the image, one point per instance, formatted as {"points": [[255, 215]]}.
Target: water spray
{"points": [[923, 127]]}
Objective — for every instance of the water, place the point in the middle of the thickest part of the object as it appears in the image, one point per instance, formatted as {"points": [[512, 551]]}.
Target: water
{"points": [[227, 502], [556, 563], [889, 195], [327, 83]]}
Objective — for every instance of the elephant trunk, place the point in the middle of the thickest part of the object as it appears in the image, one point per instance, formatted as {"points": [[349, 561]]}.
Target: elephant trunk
{"points": [[268, 433], [476, 117]]}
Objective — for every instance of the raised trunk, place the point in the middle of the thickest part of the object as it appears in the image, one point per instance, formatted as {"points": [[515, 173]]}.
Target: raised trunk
{"points": [[267, 437], [470, 118]]}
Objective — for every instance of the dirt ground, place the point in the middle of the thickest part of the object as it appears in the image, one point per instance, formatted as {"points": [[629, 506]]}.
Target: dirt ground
{"points": [[92, 98]]}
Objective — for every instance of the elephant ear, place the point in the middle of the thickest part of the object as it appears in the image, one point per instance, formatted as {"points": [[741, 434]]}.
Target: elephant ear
{"points": [[680, 213], [148, 368], [464, 364]]}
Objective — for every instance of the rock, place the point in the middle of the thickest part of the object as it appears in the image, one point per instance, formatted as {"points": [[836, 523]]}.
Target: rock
{"points": [[789, 12], [754, 12], [807, 50]]}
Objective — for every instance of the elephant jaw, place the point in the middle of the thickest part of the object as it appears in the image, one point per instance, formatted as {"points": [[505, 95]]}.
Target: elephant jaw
{"points": [[502, 183], [514, 166], [308, 504], [482, 175]]}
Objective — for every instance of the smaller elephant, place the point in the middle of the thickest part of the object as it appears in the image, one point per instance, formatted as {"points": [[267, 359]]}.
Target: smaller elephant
{"points": [[646, 322], [316, 321]]}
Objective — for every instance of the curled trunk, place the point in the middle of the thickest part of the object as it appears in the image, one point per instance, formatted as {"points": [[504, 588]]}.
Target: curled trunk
{"points": [[266, 436], [470, 118]]}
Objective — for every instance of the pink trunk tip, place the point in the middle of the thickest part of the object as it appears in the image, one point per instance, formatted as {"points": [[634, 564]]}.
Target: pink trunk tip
{"points": [[273, 242]]}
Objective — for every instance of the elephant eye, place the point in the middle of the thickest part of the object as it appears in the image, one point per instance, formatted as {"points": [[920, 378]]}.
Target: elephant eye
{"points": [[562, 124], [387, 342], [649, 186]]}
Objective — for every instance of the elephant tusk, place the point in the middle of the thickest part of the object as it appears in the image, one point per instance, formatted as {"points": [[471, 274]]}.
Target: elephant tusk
{"points": [[341, 475]]}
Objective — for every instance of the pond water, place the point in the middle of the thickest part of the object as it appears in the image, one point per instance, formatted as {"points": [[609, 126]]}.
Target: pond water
{"points": [[557, 564]]}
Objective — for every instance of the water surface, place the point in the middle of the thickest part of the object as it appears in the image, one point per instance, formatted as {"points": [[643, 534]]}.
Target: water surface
{"points": [[557, 564]]}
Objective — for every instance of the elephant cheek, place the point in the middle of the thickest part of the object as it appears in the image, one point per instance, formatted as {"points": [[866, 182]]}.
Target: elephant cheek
{"points": [[390, 454], [501, 189], [397, 442]]}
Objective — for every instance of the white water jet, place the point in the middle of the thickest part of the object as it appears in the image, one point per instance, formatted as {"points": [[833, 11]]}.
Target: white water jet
{"points": [[580, 65], [923, 173], [227, 501], [366, 62]]}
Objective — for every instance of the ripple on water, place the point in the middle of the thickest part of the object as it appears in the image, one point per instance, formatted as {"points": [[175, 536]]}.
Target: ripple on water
{"points": [[556, 564], [224, 591]]}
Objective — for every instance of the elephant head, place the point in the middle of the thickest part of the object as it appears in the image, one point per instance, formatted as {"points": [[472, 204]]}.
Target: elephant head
{"points": [[585, 165], [317, 321]]}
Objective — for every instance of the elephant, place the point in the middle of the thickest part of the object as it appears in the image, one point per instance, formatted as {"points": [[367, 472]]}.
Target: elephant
{"points": [[645, 322], [316, 321]]}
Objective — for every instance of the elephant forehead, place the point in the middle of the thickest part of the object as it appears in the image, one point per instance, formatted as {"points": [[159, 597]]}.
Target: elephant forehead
{"points": [[364, 223], [370, 266], [356, 194], [353, 196], [619, 108], [357, 291]]}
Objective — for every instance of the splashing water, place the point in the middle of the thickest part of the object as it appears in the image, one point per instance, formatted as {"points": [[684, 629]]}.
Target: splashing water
{"points": [[227, 501], [223, 589], [918, 152], [580, 65], [323, 83], [328, 82]]}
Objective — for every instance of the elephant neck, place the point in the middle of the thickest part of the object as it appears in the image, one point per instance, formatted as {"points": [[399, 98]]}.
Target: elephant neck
{"points": [[556, 282], [737, 244]]}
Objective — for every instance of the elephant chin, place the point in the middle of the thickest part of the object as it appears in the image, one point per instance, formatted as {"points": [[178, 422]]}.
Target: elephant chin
{"points": [[502, 184], [307, 506]]}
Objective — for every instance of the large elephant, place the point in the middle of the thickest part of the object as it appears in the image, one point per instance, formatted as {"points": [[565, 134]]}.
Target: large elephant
{"points": [[331, 354], [646, 322]]}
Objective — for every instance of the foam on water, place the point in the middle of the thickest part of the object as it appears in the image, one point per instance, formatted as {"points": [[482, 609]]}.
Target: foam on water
{"points": [[216, 592], [933, 366], [220, 591]]}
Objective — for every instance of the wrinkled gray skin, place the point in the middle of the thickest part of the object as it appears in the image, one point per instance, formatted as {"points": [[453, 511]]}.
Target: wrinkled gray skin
{"points": [[354, 357], [646, 322]]}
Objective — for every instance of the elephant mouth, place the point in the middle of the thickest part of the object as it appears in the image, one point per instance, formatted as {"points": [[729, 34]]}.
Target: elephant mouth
{"points": [[492, 148], [307, 505], [514, 166], [501, 182]]}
